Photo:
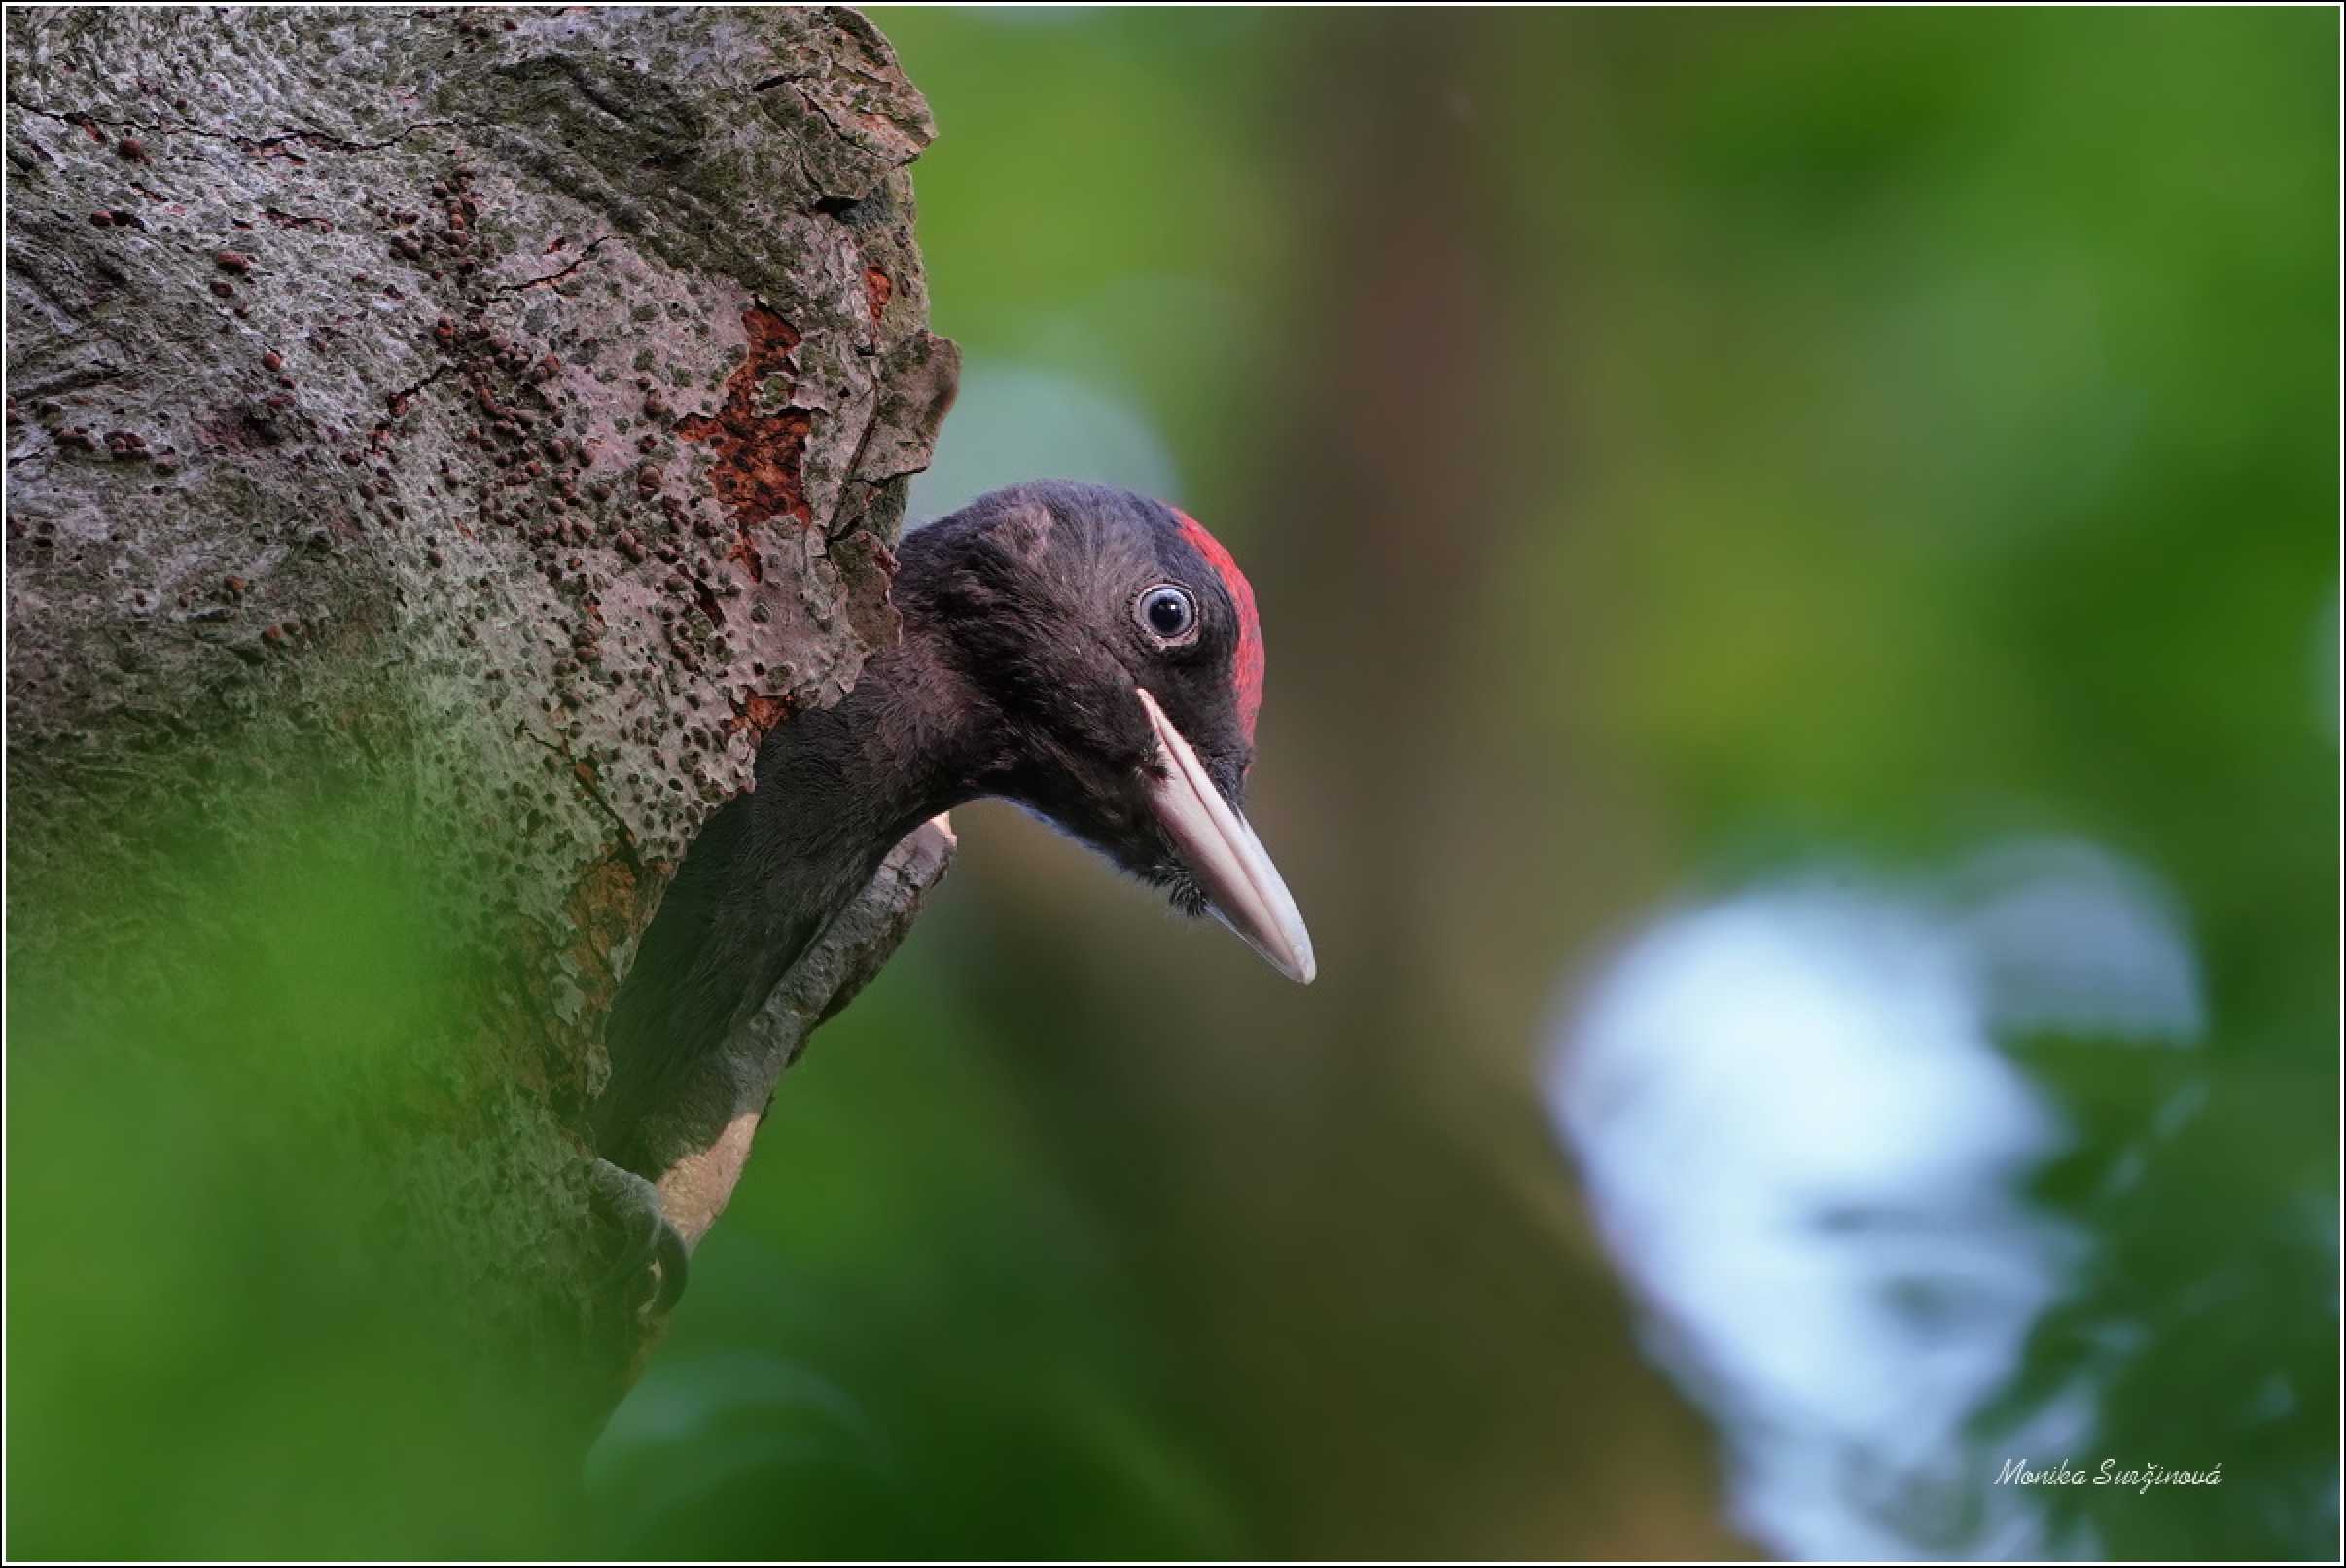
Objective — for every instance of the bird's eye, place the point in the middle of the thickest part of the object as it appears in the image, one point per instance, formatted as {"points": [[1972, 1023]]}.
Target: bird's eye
{"points": [[1167, 612]]}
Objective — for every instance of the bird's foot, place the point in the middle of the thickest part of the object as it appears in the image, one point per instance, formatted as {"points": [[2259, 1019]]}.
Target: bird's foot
{"points": [[648, 1250]]}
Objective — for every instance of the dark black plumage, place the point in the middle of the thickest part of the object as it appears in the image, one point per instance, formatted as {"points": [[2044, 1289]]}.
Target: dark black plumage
{"points": [[1025, 635]]}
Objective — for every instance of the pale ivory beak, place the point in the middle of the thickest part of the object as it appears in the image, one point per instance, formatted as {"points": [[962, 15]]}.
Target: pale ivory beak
{"points": [[1224, 856]]}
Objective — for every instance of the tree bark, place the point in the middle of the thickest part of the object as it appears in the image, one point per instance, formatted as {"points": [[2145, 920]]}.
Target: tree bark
{"points": [[449, 441]]}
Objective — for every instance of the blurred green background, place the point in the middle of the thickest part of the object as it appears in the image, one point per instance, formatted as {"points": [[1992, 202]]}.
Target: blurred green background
{"points": [[1798, 552]]}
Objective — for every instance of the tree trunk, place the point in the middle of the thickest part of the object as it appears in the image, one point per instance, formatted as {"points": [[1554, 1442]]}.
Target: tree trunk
{"points": [[440, 445]]}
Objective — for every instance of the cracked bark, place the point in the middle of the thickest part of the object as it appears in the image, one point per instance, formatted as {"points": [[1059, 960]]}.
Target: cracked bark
{"points": [[349, 357]]}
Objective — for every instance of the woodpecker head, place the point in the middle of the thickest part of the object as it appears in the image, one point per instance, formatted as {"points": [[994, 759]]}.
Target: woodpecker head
{"points": [[1115, 646]]}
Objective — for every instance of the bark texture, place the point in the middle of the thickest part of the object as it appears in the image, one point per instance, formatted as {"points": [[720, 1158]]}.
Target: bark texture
{"points": [[474, 431]]}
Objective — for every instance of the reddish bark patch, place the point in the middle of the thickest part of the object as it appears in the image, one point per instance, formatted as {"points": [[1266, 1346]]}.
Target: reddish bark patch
{"points": [[250, 428], [757, 435], [761, 713], [604, 912], [876, 290]]}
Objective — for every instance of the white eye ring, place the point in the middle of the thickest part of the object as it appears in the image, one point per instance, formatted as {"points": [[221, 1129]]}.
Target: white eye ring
{"points": [[1167, 612]]}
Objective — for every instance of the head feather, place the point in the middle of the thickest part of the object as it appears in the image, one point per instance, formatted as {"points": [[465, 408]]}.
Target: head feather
{"points": [[1246, 667]]}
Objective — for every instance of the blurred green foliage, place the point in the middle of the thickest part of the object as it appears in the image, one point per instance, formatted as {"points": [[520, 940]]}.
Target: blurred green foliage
{"points": [[228, 1331], [1670, 448]]}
